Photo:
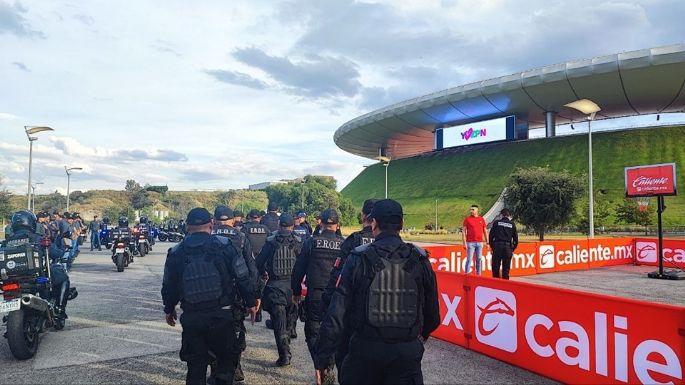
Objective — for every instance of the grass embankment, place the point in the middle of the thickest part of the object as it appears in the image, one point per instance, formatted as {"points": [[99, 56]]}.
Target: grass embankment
{"points": [[461, 177]]}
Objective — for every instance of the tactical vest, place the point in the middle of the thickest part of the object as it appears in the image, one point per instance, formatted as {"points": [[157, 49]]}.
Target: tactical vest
{"points": [[257, 235], [363, 237], [205, 281], [325, 251], [391, 295], [237, 238], [287, 250]]}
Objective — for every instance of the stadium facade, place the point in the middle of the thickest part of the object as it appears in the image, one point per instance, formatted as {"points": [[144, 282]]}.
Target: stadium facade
{"points": [[648, 81]]}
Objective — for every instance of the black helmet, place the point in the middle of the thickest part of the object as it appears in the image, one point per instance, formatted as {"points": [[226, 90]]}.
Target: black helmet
{"points": [[143, 219], [23, 220], [105, 220], [123, 221]]}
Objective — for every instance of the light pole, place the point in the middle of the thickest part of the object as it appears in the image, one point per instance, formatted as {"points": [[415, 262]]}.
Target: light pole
{"points": [[30, 130], [436, 216], [589, 108], [69, 180], [386, 163], [33, 196]]}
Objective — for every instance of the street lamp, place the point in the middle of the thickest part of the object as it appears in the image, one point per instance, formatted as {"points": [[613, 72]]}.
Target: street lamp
{"points": [[589, 108], [69, 180], [386, 162], [30, 130], [33, 196]]}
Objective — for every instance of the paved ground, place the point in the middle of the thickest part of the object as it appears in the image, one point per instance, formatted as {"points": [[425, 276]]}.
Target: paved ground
{"points": [[116, 334], [624, 281]]}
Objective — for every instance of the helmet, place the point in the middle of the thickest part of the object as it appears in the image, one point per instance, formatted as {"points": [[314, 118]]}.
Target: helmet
{"points": [[143, 219], [23, 220], [123, 221], [105, 220]]}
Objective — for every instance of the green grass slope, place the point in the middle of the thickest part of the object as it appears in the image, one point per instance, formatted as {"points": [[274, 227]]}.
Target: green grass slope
{"points": [[458, 178]]}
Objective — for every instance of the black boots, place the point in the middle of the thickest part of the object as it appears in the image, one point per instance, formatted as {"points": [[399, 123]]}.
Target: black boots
{"points": [[283, 346]]}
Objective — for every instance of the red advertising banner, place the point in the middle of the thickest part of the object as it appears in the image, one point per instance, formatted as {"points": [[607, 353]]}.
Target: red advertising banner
{"points": [[647, 252], [566, 335], [657, 179], [452, 258], [452, 308]]}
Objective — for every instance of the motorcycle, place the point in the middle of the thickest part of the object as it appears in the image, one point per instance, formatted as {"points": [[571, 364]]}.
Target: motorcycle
{"points": [[175, 236], [122, 253], [143, 244], [28, 297], [105, 237], [162, 235]]}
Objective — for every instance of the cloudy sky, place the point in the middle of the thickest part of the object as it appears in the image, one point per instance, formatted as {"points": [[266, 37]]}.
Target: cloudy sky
{"points": [[222, 94]]}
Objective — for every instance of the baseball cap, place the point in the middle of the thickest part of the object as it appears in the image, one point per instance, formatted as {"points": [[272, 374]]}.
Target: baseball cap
{"points": [[368, 205], [198, 216], [238, 213], [273, 206], [254, 213], [223, 213], [286, 220], [387, 211], [329, 217], [301, 214]]}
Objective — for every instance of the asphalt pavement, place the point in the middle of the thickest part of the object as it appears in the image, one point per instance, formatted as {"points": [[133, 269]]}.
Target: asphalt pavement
{"points": [[116, 334]]}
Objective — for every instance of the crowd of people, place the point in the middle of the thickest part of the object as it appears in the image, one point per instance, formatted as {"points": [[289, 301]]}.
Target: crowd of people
{"points": [[369, 301]]}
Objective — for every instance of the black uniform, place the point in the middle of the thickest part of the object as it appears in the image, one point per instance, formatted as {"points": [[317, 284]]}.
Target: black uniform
{"points": [[277, 258], [356, 239], [257, 234], [270, 220], [319, 254], [242, 245], [202, 273], [387, 296], [503, 241]]}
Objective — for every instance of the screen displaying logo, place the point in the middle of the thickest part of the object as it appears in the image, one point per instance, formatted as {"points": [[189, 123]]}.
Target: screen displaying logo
{"points": [[547, 253], [658, 179], [473, 133], [496, 318], [646, 251]]}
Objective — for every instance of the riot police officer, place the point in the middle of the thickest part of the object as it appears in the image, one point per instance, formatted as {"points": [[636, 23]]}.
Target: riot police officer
{"points": [[300, 229], [356, 239], [503, 241], [223, 227], [318, 256], [204, 274], [24, 231], [387, 296], [270, 219], [238, 216], [144, 227], [277, 258], [257, 234]]}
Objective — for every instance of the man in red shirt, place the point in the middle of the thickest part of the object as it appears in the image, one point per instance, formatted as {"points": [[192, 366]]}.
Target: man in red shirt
{"points": [[475, 238]]}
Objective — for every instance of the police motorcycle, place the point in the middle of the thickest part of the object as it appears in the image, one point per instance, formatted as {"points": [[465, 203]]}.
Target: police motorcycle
{"points": [[174, 234], [29, 303], [141, 235], [104, 233], [162, 233], [123, 245]]}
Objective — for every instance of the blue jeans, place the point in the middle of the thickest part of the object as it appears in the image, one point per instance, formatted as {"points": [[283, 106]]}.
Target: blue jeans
{"points": [[95, 240], [473, 251]]}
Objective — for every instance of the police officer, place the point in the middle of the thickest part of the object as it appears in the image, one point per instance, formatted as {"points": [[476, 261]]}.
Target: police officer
{"points": [[355, 239], [238, 216], [318, 256], [204, 275], [270, 219], [300, 229], [503, 240], [277, 258], [144, 227], [387, 293], [224, 219], [24, 231], [257, 234]]}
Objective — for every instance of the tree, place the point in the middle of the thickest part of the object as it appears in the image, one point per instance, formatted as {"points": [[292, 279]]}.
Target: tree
{"points": [[542, 199], [159, 189], [132, 185], [628, 211], [602, 212], [53, 202]]}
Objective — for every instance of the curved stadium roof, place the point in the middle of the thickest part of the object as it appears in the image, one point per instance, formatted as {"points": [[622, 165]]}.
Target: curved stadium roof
{"points": [[633, 83]]}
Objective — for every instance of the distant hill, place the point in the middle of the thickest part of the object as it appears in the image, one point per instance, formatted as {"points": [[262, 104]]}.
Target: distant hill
{"points": [[460, 177]]}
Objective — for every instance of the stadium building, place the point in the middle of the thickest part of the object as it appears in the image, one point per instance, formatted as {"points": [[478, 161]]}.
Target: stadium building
{"points": [[486, 125]]}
